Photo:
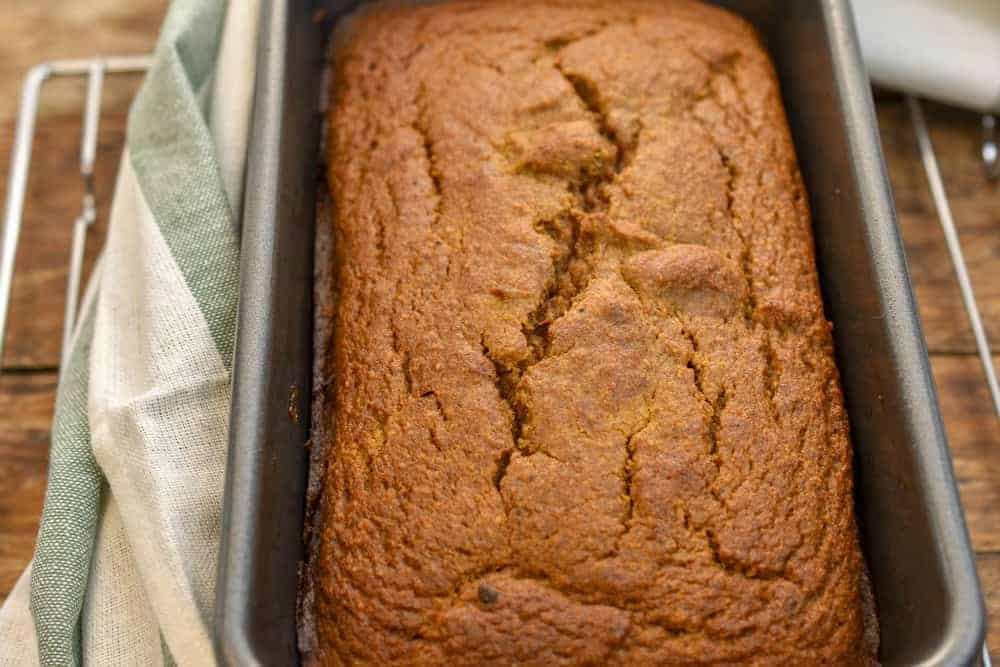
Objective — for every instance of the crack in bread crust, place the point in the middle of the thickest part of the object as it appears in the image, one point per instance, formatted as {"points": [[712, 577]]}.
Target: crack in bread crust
{"points": [[585, 403]]}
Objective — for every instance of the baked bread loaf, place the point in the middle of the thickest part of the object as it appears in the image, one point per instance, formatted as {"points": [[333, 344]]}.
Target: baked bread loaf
{"points": [[576, 399]]}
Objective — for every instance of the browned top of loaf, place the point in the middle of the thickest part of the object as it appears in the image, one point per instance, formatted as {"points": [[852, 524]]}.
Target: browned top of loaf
{"points": [[584, 405]]}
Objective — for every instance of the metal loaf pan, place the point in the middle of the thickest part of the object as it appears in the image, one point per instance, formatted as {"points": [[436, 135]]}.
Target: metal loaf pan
{"points": [[929, 602]]}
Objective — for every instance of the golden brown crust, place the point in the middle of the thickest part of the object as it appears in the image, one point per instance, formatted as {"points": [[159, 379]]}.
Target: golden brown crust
{"points": [[585, 400]]}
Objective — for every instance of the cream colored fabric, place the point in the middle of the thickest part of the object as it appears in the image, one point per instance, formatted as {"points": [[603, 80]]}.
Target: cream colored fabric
{"points": [[118, 626], [159, 399], [17, 631]]}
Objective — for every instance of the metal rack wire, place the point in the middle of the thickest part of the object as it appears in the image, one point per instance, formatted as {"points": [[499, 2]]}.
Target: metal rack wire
{"points": [[951, 234], [95, 70]]}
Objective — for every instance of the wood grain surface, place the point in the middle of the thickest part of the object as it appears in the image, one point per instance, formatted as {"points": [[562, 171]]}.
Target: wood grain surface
{"points": [[54, 200], [33, 31], [25, 414]]}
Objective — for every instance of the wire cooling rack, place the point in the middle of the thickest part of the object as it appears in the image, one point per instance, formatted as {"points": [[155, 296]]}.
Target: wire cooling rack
{"points": [[96, 69]]}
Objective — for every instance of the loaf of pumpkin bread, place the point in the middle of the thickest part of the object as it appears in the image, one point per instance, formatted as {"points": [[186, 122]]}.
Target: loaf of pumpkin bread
{"points": [[577, 400]]}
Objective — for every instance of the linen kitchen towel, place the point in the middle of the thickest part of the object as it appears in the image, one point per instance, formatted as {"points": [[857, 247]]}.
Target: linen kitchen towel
{"points": [[125, 563]]}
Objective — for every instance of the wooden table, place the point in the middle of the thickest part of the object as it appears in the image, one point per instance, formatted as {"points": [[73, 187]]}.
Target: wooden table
{"points": [[36, 31]]}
